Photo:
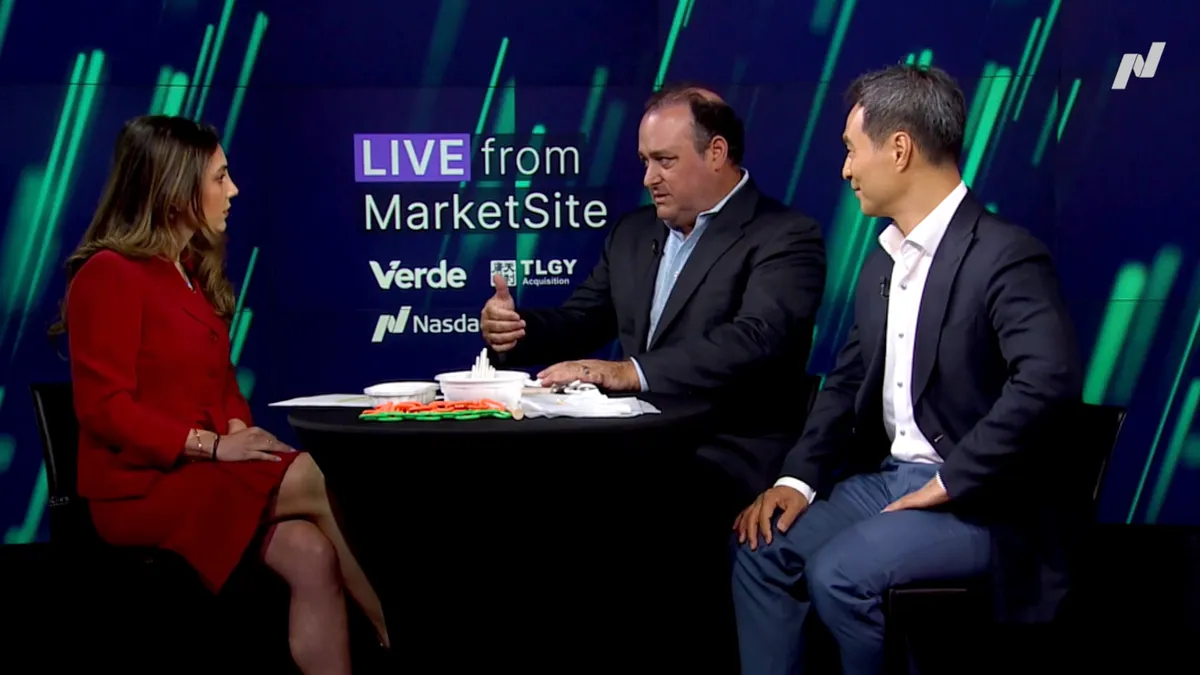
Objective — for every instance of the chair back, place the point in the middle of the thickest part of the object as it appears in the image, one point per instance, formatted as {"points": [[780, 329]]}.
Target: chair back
{"points": [[1097, 429], [54, 406]]}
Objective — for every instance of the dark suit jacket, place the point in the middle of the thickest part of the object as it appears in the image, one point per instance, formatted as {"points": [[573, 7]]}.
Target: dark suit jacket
{"points": [[994, 366], [738, 321]]}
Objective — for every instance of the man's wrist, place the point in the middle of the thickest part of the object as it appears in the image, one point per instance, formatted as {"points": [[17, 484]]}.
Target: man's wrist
{"points": [[631, 375]]}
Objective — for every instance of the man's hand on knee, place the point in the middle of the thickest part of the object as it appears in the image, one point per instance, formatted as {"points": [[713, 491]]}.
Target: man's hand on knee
{"points": [[755, 520]]}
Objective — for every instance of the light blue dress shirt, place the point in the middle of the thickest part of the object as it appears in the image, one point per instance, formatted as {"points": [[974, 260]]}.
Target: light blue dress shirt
{"points": [[678, 249]]}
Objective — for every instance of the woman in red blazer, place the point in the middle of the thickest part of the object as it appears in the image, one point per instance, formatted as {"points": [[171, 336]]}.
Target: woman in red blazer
{"points": [[167, 453]]}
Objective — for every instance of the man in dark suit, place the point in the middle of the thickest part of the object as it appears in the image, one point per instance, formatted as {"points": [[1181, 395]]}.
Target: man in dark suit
{"points": [[961, 354], [712, 291]]}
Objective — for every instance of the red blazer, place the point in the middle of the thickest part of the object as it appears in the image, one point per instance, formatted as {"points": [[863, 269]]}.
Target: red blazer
{"points": [[150, 361]]}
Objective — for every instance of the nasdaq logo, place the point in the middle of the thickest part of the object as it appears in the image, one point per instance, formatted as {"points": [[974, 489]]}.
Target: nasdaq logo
{"points": [[1137, 66], [405, 321]]}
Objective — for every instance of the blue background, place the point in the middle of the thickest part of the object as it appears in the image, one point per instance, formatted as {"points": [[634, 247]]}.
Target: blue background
{"points": [[1112, 190]]}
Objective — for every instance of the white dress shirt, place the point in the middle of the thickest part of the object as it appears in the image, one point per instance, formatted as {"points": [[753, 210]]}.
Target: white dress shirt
{"points": [[912, 257]]}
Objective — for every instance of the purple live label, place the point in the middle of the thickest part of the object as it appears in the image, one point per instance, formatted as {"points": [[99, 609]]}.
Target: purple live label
{"points": [[412, 158]]}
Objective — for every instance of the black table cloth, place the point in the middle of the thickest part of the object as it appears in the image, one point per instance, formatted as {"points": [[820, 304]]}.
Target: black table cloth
{"points": [[537, 543]]}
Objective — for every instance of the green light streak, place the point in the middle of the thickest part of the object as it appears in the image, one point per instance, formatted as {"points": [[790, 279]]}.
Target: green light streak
{"points": [[241, 299], [176, 91], [1066, 113], [8, 444], [987, 123], [687, 17], [847, 231], [19, 236], [753, 104], [1185, 356], [681, 10], [822, 16], [1145, 323], [246, 381], [239, 340], [488, 95], [1191, 452], [51, 171], [981, 95], [50, 229], [1039, 151], [595, 96], [198, 71], [6, 9], [1127, 291], [1002, 122], [214, 55], [866, 232], [160, 90], [527, 241], [243, 82], [27, 530], [831, 57], [606, 144], [1037, 56], [8, 450], [491, 90], [1183, 425], [537, 139]]}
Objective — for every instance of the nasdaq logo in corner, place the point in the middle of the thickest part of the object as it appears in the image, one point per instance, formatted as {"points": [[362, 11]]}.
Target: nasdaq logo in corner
{"points": [[1137, 66]]}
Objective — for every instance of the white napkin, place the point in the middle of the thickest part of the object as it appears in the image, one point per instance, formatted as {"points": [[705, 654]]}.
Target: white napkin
{"points": [[583, 404]]}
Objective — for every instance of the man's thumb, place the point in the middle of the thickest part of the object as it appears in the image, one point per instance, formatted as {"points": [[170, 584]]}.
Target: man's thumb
{"points": [[501, 287]]}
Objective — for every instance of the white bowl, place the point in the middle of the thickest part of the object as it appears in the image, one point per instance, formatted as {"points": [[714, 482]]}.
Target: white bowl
{"points": [[402, 392], [505, 387]]}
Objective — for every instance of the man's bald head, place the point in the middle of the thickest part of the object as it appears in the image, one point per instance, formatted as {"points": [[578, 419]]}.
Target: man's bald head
{"points": [[711, 115]]}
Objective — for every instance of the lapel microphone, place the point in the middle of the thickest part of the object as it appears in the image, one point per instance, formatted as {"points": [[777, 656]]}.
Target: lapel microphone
{"points": [[885, 284], [654, 248]]}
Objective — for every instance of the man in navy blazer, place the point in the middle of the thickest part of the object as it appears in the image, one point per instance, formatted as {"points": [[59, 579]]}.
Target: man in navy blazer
{"points": [[921, 457]]}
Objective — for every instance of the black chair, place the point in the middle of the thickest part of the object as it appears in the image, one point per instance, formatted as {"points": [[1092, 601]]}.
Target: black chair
{"points": [[143, 607], [964, 607]]}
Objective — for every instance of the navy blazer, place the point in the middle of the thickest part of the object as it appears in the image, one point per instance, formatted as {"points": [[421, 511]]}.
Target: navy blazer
{"points": [[995, 362]]}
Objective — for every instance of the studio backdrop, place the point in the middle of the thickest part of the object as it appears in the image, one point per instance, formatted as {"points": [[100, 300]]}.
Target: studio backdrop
{"points": [[392, 156]]}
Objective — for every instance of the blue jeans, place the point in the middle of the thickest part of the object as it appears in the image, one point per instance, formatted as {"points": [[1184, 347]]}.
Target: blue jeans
{"points": [[848, 554]]}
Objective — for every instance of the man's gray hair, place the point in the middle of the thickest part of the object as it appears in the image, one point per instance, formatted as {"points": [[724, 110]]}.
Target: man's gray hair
{"points": [[922, 101]]}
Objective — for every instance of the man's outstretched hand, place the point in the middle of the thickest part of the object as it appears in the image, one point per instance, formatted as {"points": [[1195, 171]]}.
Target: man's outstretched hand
{"points": [[755, 520]]}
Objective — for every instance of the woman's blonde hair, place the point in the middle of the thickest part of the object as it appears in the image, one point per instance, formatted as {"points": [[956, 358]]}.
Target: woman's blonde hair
{"points": [[156, 180]]}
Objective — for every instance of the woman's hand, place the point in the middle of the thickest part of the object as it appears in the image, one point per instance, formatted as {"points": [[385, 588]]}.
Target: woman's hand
{"points": [[250, 444]]}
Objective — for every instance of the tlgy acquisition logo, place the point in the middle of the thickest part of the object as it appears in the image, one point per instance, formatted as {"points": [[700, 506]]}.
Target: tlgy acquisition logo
{"points": [[554, 272], [497, 174]]}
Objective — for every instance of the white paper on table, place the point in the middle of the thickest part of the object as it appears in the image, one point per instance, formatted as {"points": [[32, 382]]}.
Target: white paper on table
{"points": [[327, 401], [589, 404]]}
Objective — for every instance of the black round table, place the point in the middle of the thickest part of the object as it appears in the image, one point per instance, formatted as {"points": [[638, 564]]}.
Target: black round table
{"points": [[526, 541], [320, 423]]}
